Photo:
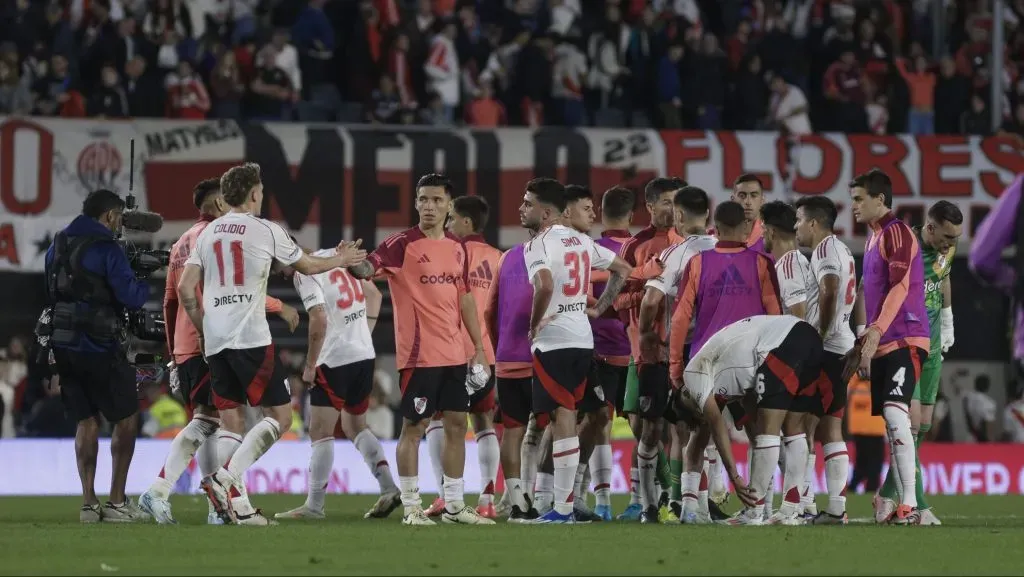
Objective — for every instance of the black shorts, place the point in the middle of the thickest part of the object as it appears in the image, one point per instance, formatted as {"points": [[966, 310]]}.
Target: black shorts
{"points": [[790, 369], [483, 401], [346, 387], [829, 391], [194, 376], [251, 377], [894, 377], [606, 386], [429, 390], [515, 398], [652, 390], [559, 378], [94, 384]]}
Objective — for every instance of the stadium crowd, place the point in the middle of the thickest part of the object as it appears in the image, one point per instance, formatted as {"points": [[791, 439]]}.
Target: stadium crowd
{"points": [[844, 65]]}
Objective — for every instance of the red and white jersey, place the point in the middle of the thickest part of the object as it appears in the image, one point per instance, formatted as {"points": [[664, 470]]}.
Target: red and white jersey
{"points": [[569, 256], [1013, 421], [830, 257], [235, 252], [348, 337], [673, 261], [797, 284], [726, 366]]}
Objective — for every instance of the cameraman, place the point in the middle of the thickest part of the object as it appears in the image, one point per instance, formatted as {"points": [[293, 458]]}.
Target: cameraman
{"points": [[90, 284]]}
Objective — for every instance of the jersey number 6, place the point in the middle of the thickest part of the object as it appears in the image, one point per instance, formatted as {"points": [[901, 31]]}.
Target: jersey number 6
{"points": [[350, 289], [578, 265]]}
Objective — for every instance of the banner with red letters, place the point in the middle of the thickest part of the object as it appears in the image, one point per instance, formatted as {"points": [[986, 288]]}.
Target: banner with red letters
{"points": [[327, 182]]}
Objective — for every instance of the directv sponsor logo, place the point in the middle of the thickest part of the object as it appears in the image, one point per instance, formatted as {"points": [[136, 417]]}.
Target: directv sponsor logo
{"points": [[572, 308], [353, 317], [232, 299]]}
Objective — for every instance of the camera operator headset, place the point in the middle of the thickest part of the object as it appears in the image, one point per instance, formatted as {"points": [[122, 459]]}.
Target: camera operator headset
{"points": [[89, 286]]}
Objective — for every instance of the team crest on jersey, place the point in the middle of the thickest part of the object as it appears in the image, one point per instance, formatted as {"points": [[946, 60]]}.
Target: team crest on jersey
{"points": [[599, 393], [420, 405], [645, 404]]}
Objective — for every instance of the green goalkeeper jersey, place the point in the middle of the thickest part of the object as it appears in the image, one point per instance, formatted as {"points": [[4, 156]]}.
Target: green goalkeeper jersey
{"points": [[936, 268]]}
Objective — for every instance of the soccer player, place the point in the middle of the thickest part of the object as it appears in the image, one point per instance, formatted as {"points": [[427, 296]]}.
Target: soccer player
{"points": [[938, 240], [558, 263], [748, 191], [764, 360], [466, 221], [192, 372], [643, 246], [339, 364], [692, 208], [428, 272], [799, 293], [611, 344], [232, 260], [831, 298], [897, 339]]}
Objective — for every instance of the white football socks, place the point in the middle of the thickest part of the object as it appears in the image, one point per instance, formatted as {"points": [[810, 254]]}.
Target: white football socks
{"points": [[601, 467], [373, 455], [489, 456], [566, 455], [765, 459], [837, 474], [795, 447], [321, 462], [690, 483], [901, 443], [544, 492], [514, 493], [183, 447], [634, 486], [453, 494], [702, 494], [410, 492], [716, 483], [225, 444], [529, 459], [435, 445], [254, 445], [647, 462], [807, 490], [207, 457]]}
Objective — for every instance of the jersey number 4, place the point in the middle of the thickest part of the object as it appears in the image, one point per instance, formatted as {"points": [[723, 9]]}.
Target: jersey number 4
{"points": [[237, 261], [351, 290], [578, 265]]}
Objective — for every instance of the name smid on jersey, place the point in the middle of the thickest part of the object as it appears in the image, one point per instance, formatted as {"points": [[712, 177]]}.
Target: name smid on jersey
{"points": [[568, 256], [235, 252], [341, 295]]}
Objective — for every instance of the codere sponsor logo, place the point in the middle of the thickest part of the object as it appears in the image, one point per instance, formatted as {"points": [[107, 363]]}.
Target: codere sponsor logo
{"points": [[444, 278]]}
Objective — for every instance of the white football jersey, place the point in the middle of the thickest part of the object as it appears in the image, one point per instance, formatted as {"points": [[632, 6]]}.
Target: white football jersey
{"points": [[797, 285], [235, 252], [569, 256], [674, 260], [831, 256], [726, 366], [1013, 421], [348, 337]]}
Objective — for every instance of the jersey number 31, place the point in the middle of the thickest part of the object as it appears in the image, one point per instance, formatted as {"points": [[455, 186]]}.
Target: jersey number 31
{"points": [[578, 265]]}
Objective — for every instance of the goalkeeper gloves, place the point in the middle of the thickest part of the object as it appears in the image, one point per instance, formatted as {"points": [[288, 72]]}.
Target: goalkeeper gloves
{"points": [[947, 328]]}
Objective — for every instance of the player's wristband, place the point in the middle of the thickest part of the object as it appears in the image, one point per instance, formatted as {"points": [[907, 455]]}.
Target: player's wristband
{"points": [[861, 329]]}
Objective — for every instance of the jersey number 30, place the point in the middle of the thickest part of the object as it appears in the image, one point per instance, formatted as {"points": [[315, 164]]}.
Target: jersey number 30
{"points": [[578, 265], [351, 290]]}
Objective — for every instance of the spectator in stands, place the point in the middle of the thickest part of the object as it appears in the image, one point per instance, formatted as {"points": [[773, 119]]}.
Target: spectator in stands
{"points": [[231, 19], [97, 41], [126, 45], [15, 97], [227, 88], [736, 47], [570, 75], [1013, 418], [844, 86], [271, 90], [167, 56], [710, 79], [952, 98], [54, 94], [789, 109], [750, 96], [435, 113], [921, 82], [186, 94], [399, 68], [980, 410], [1014, 126], [13, 370], [144, 91], [385, 105], [976, 120], [167, 15], [442, 69], [109, 99], [287, 59], [485, 111], [878, 113], [670, 88]]}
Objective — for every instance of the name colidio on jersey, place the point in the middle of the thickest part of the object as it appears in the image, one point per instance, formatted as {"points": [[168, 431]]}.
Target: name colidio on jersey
{"points": [[232, 300]]}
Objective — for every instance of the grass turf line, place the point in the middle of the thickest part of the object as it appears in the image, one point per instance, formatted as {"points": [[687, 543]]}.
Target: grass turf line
{"points": [[981, 535]]}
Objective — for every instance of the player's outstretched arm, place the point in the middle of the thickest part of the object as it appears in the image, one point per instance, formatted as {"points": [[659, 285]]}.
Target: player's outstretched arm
{"points": [[720, 434], [317, 334], [348, 254], [363, 270], [620, 271], [373, 301], [188, 291]]}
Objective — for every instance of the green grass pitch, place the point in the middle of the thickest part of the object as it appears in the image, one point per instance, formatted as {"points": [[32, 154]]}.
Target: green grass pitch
{"points": [[980, 536]]}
